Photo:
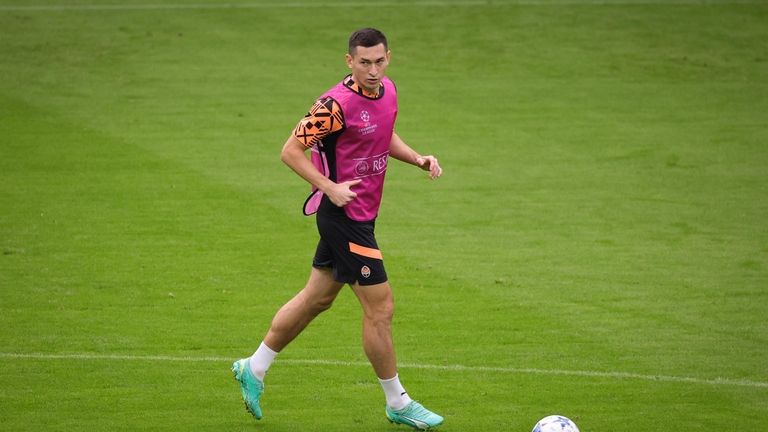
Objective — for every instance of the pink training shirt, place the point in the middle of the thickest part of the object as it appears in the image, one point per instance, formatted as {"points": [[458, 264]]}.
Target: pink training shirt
{"points": [[349, 133]]}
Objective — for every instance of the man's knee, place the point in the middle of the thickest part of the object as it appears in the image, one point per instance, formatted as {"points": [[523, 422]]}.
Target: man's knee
{"points": [[381, 312], [321, 304]]}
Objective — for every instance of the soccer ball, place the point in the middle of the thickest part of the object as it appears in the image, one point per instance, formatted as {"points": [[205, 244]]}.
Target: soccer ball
{"points": [[555, 423]]}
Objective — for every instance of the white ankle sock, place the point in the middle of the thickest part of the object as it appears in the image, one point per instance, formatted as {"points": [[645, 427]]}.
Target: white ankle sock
{"points": [[397, 397], [260, 361]]}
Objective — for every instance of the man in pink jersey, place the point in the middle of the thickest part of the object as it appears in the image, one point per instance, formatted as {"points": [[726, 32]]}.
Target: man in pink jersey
{"points": [[350, 133]]}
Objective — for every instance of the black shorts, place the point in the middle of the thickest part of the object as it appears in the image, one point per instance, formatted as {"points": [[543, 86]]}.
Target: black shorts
{"points": [[348, 247]]}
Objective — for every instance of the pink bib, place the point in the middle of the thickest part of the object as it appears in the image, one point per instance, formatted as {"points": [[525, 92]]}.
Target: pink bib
{"points": [[360, 150]]}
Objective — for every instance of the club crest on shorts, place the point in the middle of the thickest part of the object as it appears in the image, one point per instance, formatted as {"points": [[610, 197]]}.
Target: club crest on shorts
{"points": [[366, 272]]}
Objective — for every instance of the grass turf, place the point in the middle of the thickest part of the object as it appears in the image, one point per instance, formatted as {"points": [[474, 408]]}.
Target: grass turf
{"points": [[603, 211]]}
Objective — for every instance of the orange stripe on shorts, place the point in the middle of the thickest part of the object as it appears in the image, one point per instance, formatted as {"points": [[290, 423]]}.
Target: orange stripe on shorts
{"points": [[365, 251]]}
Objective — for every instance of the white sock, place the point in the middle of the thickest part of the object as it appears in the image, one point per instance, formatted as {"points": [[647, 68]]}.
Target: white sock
{"points": [[260, 361], [397, 397]]}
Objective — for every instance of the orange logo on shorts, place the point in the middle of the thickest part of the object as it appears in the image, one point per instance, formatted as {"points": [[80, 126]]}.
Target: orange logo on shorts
{"points": [[365, 271]]}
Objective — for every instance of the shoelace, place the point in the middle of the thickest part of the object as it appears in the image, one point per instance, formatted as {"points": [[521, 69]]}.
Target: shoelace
{"points": [[416, 409]]}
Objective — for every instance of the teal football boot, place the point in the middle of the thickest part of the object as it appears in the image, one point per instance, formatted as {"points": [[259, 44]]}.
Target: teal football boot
{"points": [[250, 386], [415, 416]]}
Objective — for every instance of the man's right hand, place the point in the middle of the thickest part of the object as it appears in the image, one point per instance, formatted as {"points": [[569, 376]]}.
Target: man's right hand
{"points": [[341, 194]]}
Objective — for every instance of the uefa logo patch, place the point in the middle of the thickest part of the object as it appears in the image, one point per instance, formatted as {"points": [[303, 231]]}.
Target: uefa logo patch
{"points": [[361, 168], [366, 272], [364, 116]]}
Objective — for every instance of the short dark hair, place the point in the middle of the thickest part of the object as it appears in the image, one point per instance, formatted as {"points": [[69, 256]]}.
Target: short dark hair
{"points": [[366, 37]]}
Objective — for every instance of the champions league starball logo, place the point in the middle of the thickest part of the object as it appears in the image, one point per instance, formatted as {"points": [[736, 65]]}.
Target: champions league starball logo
{"points": [[367, 127]]}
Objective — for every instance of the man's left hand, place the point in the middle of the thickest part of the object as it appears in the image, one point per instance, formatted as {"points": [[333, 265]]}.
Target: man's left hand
{"points": [[429, 163]]}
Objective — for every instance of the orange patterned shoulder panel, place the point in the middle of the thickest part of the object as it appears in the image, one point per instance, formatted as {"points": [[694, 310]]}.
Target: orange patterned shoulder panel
{"points": [[324, 118]]}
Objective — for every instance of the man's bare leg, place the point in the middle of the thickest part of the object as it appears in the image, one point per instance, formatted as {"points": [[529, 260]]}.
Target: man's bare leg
{"points": [[317, 296], [378, 308]]}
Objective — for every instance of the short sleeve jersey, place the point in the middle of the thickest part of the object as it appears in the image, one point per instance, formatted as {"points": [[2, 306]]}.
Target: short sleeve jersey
{"points": [[324, 118]]}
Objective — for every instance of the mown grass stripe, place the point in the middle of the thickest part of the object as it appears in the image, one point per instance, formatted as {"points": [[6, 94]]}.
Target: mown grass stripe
{"points": [[461, 368]]}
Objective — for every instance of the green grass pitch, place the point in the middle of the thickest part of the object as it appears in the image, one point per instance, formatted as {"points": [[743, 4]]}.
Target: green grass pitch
{"points": [[597, 247]]}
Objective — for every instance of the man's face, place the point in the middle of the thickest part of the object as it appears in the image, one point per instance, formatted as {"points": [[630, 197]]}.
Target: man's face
{"points": [[368, 65]]}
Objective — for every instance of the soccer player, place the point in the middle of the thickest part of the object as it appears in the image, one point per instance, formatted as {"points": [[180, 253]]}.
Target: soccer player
{"points": [[350, 133]]}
